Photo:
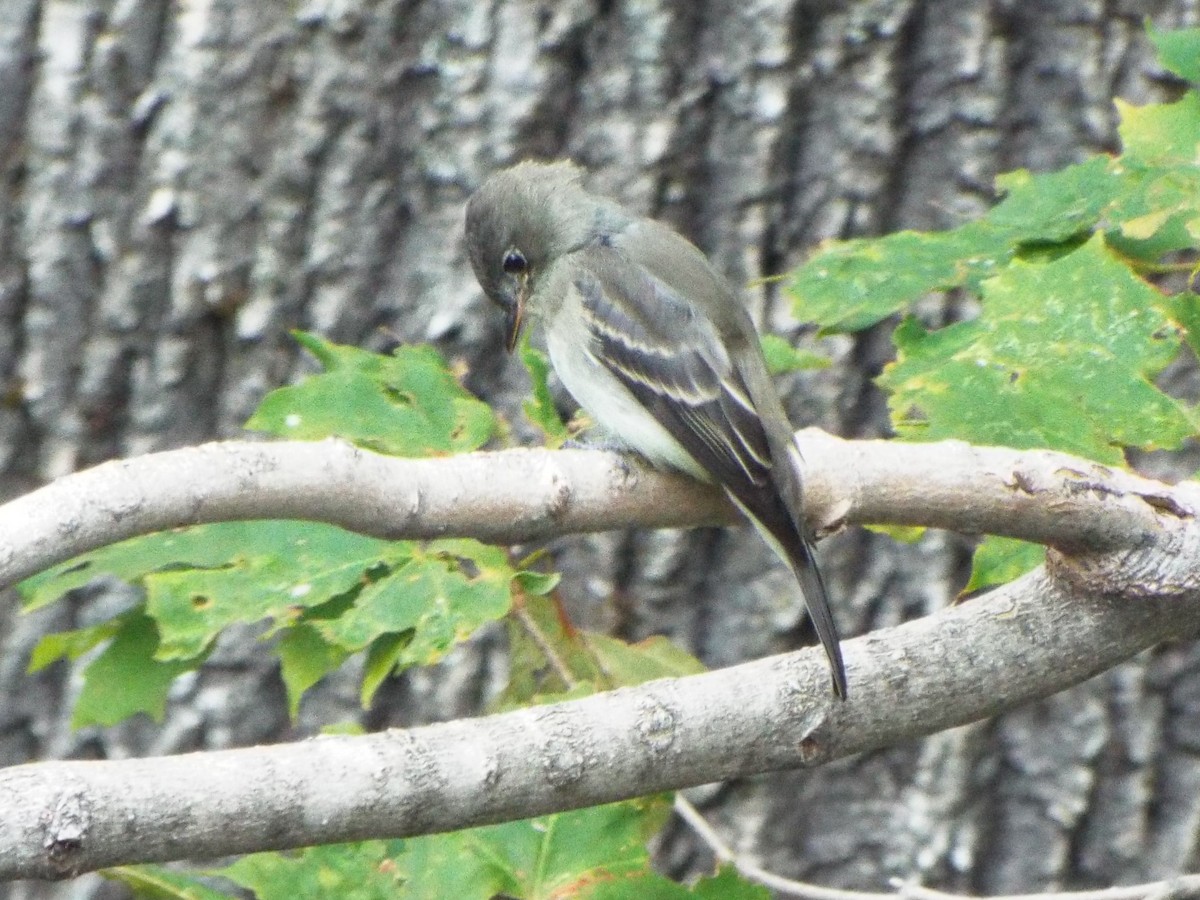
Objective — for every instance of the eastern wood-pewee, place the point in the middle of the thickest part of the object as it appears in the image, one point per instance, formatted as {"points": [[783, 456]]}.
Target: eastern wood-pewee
{"points": [[653, 343]]}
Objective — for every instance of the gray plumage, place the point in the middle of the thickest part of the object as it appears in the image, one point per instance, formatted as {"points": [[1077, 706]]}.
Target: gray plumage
{"points": [[653, 343]]}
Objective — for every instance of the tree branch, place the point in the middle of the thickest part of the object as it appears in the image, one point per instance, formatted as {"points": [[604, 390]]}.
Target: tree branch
{"points": [[1024, 641], [520, 495], [1131, 583]]}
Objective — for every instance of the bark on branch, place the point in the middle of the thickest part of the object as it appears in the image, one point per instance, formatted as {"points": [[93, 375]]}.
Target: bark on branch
{"points": [[1131, 582], [513, 496], [1024, 641]]}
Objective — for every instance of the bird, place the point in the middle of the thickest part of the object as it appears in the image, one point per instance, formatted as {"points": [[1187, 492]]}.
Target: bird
{"points": [[653, 343]]}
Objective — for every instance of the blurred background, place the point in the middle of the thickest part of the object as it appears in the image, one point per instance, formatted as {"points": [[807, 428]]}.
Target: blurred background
{"points": [[183, 182]]}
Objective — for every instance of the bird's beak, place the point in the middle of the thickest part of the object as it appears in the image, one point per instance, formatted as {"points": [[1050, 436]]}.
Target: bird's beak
{"points": [[514, 315]]}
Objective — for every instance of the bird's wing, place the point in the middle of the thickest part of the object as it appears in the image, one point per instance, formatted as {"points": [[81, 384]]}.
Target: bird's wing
{"points": [[668, 354], [671, 359]]}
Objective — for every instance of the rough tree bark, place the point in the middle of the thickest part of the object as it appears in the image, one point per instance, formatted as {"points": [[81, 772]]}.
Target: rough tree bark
{"points": [[180, 183]]}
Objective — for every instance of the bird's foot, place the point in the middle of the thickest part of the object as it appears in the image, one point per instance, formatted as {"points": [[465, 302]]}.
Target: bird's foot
{"points": [[591, 443], [596, 438], [626, 459]]}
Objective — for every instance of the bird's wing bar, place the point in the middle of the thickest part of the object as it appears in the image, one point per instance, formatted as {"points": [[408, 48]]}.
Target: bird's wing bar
{"points": [[675, 366]]}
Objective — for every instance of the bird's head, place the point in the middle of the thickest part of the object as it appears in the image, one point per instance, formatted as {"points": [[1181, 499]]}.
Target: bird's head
{"points": [[519, 221]]}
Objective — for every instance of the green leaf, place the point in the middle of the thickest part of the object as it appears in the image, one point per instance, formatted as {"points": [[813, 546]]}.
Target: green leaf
{"points": [[408, 404], [535, 859], [157, 883], [305, 561], [453, 865], [540, 408], [126, 678], [904, 534], [629, 664], [254, 571], [632, 886], [852, 285], [594, 661], [727, 884], [305, 658], [1062, 357], [433, 596], [783, 358], [531, 676], [71, 644], [537, 583], [363, 871], [595, 853], [1178, 50], [1150, 206], [1158, 210], [331, 592], [1055, 206], [384, 655], [1163, 133], [1185, 309], [999, 560]]}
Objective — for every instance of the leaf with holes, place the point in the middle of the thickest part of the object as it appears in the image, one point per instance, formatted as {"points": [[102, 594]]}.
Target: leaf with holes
{"points": [[1063, 356], [407, 404]]}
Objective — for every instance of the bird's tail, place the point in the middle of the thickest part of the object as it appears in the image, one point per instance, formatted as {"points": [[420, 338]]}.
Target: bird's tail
{"points": [[794, 549], [804, 566]]}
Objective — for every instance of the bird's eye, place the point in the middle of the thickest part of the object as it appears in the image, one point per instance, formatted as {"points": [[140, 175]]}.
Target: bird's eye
{"points": [[514, 262]]}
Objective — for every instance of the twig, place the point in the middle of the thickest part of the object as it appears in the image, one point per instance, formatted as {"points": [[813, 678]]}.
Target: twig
{"points": [[1175, 888], [724, 853], [556, 662], [1182, 888]]}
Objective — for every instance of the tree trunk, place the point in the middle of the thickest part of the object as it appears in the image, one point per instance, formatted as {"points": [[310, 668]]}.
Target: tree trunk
{"points": [[181, 183]]}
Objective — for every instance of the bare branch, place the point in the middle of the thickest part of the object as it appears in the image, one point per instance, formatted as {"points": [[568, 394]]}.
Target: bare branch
{"points": [[1024, 641], [787, 886], [519, 495], [1181, 887], [1131, 583]]}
